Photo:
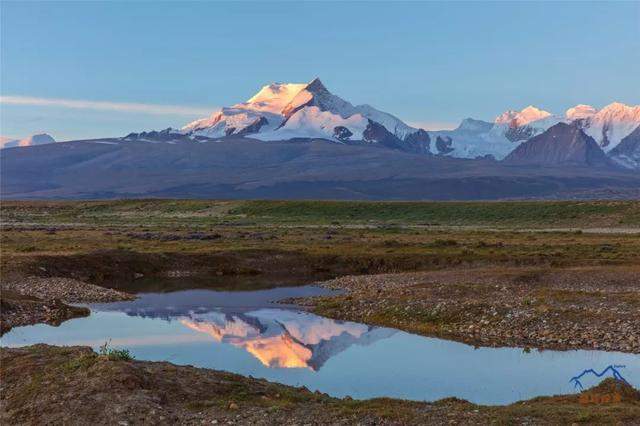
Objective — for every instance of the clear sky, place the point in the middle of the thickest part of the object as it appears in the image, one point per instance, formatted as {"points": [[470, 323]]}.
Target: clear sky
{"points": [[428, 63]]}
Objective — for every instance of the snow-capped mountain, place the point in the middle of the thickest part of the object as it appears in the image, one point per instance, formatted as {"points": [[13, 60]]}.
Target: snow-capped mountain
{"points": [[611, 124], [305, 111], [471, 139], [580, 111], [285, 111], [627, 152], [477, 138], [607, 127], [37, 139], [520, 118]]}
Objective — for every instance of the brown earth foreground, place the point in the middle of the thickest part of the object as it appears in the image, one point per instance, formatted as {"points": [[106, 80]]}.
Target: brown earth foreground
{"points": [[573, 308], [74, 385]]}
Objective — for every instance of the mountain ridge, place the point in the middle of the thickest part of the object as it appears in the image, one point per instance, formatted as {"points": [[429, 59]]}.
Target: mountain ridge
{"points": [[561, 144], [115, 168]]}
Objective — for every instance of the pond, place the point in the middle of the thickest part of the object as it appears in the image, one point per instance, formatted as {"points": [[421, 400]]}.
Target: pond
{"points": [[247, 333]]}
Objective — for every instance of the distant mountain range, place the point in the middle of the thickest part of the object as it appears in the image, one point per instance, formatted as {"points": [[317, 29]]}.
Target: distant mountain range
{"points": [[37, 139], [291, 111], [300, 140]]}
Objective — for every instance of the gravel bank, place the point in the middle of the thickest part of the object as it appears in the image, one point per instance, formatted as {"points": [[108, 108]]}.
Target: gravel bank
{"points": [[33, 300], [18, 310], [580, 308], [65, 289]]}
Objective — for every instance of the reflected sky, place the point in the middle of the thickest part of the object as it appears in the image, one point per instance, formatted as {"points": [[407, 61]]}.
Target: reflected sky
{"points": [[244, 332]]}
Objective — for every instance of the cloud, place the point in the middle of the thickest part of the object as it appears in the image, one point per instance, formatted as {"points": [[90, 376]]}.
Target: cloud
{"points": [[107, 106]]}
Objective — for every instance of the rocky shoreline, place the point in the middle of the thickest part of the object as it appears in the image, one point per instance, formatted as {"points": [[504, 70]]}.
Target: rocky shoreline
{"points": [[581, 308], [33, 300]]}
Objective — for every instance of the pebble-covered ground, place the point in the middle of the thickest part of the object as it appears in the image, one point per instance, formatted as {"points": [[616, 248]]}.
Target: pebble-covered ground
{"points": [[586, 308], [66, 289], [32, 300], [17, 310]]}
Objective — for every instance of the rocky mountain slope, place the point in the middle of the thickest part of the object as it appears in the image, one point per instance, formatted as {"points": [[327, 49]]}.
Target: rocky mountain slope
{"points": [[561, 144], [627, 152]]}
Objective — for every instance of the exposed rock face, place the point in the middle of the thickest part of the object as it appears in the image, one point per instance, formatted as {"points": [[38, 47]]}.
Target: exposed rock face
{"points": [[562, 144], [342, 133], [166, 135], [253, 127], [627, 152], [419, 139], [443, 144], [522, 133], [316, 94], [377, 133]]}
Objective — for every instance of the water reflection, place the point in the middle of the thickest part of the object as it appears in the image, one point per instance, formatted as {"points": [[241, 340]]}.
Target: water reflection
{"points": [[285, 339], [277, 337], [248, 334]]}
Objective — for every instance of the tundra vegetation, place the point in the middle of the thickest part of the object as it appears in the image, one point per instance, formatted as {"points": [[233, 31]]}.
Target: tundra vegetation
{"points": [[558, 275]]}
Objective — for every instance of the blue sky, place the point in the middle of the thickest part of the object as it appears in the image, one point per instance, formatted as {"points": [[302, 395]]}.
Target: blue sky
{"points": [[430, 63]]}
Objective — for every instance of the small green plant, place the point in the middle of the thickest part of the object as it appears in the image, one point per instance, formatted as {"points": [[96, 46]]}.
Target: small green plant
{"points": [[114, 354]]}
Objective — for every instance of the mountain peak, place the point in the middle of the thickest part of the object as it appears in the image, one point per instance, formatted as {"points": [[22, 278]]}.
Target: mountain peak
{"points": [[532, 110], [620, 108], [473, 125], [315, 81], [315, 86], [273, 97], [520, 118], [580, 111]]}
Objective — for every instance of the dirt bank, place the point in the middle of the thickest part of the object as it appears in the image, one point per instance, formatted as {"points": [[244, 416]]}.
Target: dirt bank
{"points": [[137, 271], [73, 385]]}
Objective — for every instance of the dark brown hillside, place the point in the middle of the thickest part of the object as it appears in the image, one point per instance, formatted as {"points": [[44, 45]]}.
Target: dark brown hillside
{"points": [[561, 145]]}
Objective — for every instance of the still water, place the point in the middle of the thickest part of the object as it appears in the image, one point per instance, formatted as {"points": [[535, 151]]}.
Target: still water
{"points": [[246, 333]]}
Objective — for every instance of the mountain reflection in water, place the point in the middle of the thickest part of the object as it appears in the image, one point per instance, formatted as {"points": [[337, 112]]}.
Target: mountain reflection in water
{"points": [[285, 339], [277, 337], [246, 333]]}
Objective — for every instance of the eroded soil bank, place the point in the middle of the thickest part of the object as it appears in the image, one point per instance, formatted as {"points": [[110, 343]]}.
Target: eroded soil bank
{"points": [[73, 385]]}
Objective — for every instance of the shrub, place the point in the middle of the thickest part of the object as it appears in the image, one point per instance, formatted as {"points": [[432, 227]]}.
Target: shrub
{"points": [[113, 354]]}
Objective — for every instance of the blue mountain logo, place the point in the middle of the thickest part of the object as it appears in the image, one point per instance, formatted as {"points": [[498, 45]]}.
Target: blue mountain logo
{"points": [[613, 369]]}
